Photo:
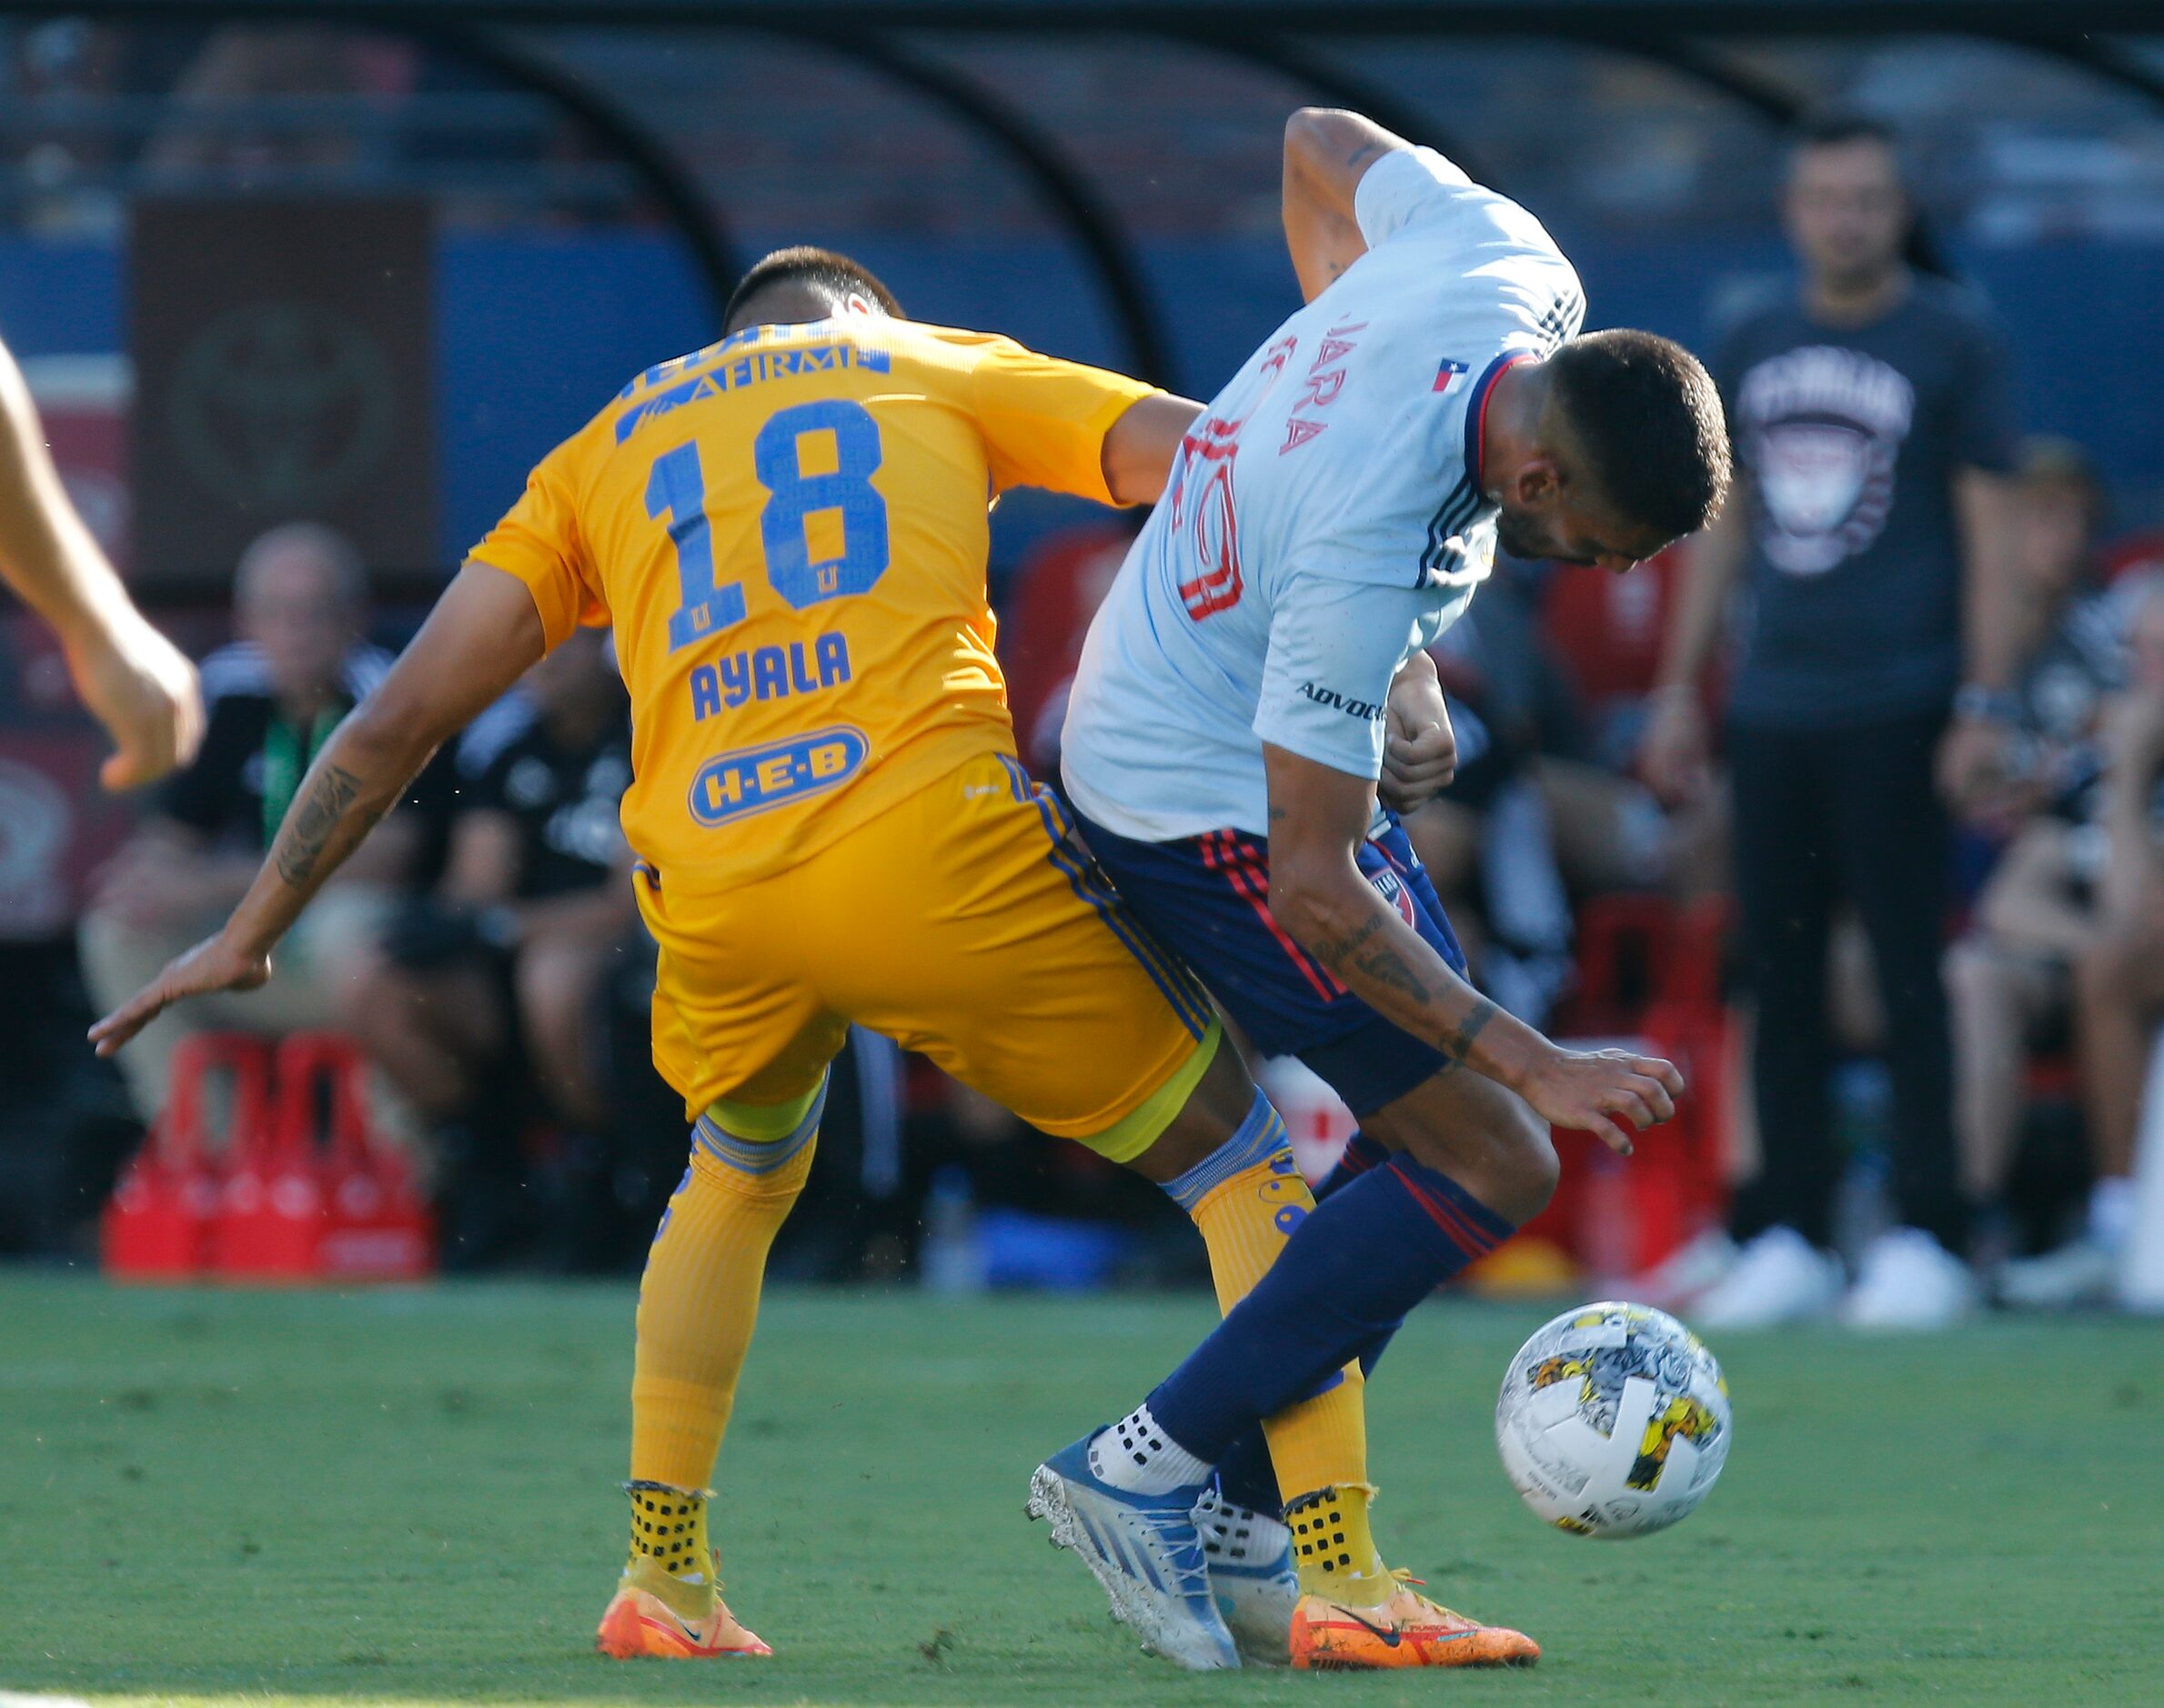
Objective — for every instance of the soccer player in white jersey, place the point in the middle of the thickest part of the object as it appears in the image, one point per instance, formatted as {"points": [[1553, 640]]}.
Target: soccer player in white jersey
{"points": [[1331, 513]]}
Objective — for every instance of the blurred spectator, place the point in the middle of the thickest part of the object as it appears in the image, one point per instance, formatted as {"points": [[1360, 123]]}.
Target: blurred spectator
{"points": [[1608, 630], [2010, 980], [1870, 418], [300, 606], [483, 1007], [2090, 894], [1486, 840], [2073, 634], [236, 107], [64, 64], [1611, 831]]}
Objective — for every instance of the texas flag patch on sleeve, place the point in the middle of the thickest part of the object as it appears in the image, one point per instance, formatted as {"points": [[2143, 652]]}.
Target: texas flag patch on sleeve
{"points": [[1450, 375]]}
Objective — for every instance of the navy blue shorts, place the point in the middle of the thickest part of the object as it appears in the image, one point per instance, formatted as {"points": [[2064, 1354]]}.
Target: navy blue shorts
{"points": [[1207, 898]]}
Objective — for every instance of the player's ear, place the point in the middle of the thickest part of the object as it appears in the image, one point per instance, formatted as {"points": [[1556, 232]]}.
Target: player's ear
{"points": [[1539, 480], [855, 302]]}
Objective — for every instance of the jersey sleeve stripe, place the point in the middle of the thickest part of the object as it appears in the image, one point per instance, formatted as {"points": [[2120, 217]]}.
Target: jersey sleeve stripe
{"points": [[1459, 508], [1565, 317]]}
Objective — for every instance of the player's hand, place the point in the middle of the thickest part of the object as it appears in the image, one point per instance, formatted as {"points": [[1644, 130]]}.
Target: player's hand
{"points": [[138, 684], [1673, 754], [1972, 763], [212, 964], [1420, 749], [1595, 1090]]}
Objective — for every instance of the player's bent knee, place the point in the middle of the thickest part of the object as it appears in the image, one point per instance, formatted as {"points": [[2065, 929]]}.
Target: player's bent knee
{"points": [[1523, 1169], [1538, 1173], [753, 1143], [1485, 1138], [1187, 1117]]}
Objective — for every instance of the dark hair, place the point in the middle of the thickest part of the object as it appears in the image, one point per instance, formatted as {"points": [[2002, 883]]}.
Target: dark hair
{"points": [[1835, 126], [1646, 416], [822, 270]]}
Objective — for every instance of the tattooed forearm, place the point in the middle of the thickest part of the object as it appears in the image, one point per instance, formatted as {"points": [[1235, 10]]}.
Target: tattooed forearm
{"points": [[1367, 151], [1334, 953], [306, 833], [1381, 962], [1386, 966], [1460, 1043]]}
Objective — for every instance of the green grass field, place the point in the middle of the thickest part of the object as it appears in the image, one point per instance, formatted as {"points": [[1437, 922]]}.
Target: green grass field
{"points": [[409, 1497]]}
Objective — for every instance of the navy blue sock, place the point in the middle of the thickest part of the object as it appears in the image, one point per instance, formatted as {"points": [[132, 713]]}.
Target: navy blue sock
{"points": [[1245, 1475], [1348, 1275], [1360, 1155]]}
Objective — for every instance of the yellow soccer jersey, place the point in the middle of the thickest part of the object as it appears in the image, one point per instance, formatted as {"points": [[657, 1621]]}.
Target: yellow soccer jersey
{"points": [[788, 531]]}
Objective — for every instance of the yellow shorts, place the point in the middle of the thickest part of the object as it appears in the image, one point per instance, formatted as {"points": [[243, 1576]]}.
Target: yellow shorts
{"points": [[964, 923]]}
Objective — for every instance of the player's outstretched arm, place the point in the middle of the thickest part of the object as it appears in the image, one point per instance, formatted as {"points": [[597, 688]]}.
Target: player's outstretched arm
{"points": [[1140, 449], [134, 681], [480, 639], [1326, 152], [1318, 818]]}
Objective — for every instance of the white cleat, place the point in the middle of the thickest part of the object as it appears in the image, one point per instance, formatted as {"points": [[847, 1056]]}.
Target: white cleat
{"points": [[2080, 1272], [1250, 1556], [1146, 1553], [1688, 1274], [1909, 1281], [1781, 1277]]}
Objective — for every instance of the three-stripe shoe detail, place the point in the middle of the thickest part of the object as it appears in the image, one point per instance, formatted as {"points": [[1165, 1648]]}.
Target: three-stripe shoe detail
{"points": [[1146, 1553]]}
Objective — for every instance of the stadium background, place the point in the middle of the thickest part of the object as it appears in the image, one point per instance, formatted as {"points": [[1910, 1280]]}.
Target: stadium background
{"points": [[1100, 182]]}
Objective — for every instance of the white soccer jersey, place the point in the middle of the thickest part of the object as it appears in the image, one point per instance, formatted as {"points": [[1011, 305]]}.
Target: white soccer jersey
{"points": [[1325, 518]]}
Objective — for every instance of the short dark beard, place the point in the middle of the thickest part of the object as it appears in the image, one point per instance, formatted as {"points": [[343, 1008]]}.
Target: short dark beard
{"points": [[1512, 537]]}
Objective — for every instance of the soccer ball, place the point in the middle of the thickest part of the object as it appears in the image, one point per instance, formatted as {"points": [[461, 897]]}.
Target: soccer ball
{"points": [[1613, 1420]]}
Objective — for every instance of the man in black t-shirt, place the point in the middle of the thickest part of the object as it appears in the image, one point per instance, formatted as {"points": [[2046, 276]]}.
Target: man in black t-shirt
{"points": [[273, 697], [1871, 419], [490, 989]]}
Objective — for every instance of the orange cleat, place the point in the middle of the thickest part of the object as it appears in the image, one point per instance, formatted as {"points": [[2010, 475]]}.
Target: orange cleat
{"points": [[647, 1618], [1407, 1630]]}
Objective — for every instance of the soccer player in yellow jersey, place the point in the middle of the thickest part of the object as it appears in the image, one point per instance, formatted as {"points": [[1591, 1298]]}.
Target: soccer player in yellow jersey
{"points": [[787, 532]]}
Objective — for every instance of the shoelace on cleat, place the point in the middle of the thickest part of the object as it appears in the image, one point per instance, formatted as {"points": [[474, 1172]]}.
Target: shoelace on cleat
{"points": [[1190, 1570], [1404, 1576]]}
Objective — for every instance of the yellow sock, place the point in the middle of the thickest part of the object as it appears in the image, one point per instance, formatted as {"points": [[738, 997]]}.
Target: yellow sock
{"points": [[668, 1533], [697, 1306], [1331, 1547], [1246, 1198], [1321, 1443]]}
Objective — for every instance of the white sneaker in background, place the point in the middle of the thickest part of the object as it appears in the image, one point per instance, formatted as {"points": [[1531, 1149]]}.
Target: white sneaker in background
{"points": [[1780, 1277], [1687, 1274], [2079, 1272], [1909, 1281]]}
